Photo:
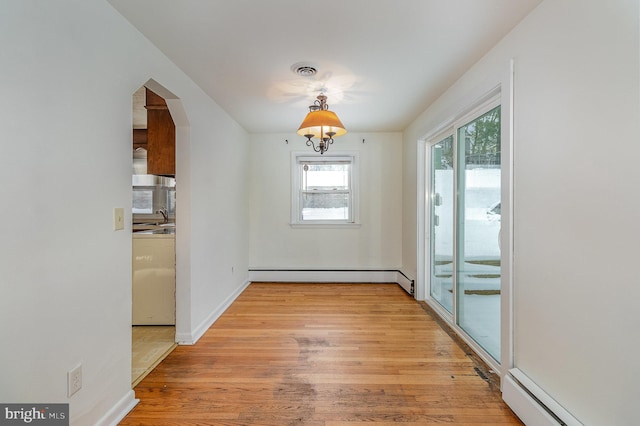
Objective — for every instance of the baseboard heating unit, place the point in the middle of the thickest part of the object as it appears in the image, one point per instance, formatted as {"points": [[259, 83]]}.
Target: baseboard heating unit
{"points": [[533, 405], [332, 276]]}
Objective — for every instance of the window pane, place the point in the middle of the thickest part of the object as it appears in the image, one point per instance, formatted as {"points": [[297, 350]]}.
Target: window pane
{"points": [[441, 203], [142, 201], [325, 190], [478, 230], [325, 206], [325, 176], [148, 200]]}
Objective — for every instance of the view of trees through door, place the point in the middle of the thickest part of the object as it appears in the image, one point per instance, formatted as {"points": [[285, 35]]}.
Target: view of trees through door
{"points": [[464, 216]]}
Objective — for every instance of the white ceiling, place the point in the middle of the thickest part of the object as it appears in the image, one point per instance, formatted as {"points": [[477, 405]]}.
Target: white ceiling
{"points": [[380, 62]]}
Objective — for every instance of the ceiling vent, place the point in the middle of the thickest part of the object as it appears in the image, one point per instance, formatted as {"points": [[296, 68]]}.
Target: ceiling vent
{"points": [[304, 69]]}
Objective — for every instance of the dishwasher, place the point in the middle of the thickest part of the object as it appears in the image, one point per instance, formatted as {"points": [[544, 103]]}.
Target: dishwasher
{"points": [[154, 279]]}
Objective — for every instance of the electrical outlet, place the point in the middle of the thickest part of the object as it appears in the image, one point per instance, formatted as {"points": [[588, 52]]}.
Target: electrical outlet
{"points": [[74, 379]]}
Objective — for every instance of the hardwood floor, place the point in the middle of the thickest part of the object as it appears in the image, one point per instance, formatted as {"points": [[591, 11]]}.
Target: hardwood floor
{"points": [[320, 354]]}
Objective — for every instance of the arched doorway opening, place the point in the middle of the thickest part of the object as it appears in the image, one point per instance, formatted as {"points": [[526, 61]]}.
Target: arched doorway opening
{"points": [[160, 286]]}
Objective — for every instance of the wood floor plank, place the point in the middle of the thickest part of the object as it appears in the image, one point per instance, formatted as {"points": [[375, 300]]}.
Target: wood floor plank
{"points": [[320, 354]]}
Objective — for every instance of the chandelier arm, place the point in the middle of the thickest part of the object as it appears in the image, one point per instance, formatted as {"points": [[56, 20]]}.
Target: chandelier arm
{"points": [[311, 144]]}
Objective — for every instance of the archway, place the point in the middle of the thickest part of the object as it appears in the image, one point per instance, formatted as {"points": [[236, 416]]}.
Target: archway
{"points": [[175, 213]]}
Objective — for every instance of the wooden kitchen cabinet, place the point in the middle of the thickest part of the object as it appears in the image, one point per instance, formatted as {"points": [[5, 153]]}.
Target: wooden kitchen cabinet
{"points": [[139, 138], [161, 137]]}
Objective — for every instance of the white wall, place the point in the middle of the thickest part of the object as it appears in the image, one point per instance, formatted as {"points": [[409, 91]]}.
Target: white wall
{"points": [[374, 245], [69, 70], [576, 205]]}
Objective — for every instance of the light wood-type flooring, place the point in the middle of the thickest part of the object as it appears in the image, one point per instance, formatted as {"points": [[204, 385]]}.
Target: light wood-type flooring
{"points": [[320, 354]]}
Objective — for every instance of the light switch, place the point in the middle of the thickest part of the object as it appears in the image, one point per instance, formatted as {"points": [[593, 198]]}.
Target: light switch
{"points": [[118, 218]]}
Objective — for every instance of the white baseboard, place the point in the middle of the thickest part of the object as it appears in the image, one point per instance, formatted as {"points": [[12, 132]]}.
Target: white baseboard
{"points": [[119, 411], [527, 409], [406, 282], [332, 276], [196, 333], [532, 404]]}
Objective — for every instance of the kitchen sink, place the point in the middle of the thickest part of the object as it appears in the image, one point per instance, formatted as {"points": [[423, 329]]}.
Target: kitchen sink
{"points": [[166, 230], [155, 228]]}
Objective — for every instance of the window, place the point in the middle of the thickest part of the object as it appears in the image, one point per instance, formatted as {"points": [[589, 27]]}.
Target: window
{"points": [[324, 190], [152, 193]]}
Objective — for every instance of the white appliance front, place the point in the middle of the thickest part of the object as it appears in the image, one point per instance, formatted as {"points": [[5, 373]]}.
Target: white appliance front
{"points": [[154, 280]]}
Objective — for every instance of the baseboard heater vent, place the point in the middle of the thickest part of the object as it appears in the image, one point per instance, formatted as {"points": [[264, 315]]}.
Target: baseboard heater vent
{"points": [[533, 405], [408, 284]]}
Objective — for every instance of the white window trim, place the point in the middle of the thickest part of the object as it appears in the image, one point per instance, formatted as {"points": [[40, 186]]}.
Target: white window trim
{"points": [[296, 221]]}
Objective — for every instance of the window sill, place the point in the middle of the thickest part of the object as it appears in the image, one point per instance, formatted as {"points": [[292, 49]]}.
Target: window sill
{"points": [[325, 225]]}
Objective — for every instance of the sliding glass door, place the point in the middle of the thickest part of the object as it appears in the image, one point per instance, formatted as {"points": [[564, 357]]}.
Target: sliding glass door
{"points": [[478, 230], [441, 202], [465, 191]]}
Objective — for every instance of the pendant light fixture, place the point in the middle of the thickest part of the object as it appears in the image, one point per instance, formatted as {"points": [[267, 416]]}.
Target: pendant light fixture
{"points": [[322, 124]]}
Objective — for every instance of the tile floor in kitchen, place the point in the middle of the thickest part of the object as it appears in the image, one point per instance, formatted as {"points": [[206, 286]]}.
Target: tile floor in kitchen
{"points": [[150, 345]]}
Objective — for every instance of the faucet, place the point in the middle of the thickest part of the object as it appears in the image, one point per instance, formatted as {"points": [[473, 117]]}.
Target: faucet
{"points": [[164, 214]]}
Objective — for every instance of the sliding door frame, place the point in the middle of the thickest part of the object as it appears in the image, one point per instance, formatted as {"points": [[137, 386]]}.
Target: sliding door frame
{"points": [[503, 94]]}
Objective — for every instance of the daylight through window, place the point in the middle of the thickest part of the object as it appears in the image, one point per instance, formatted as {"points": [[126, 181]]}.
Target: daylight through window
{"points": [[324, 190]]}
